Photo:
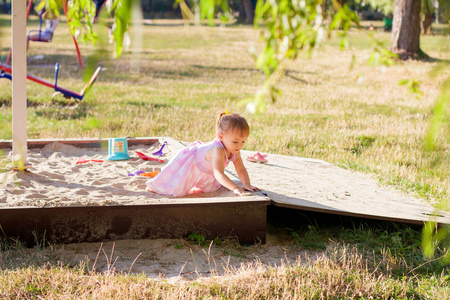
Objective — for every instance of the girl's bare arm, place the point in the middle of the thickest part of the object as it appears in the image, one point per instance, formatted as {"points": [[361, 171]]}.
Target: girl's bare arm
{"points": [[243, 174], [218, 159]]}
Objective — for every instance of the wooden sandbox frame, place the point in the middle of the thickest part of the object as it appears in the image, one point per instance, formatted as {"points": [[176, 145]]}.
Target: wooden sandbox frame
{"points": [[240, 217]]}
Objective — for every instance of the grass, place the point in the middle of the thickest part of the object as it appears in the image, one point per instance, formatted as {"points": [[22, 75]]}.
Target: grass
{"points": [[358, 118], [341, 271]]}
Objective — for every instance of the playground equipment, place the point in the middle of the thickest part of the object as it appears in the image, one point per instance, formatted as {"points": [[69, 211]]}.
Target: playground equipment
{"points": [[6, 71], [46, 36], [43, 36]]}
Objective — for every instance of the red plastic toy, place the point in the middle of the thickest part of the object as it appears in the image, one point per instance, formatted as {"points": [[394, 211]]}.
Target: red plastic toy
{"points": [[145, 157]]}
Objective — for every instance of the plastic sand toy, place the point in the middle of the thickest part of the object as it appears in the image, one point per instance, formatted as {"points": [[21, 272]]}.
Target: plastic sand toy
{"points": [[136, 173], [118, 149], [82, 161], [145, 157], [160, 151], [150, 174], [258, 158]]}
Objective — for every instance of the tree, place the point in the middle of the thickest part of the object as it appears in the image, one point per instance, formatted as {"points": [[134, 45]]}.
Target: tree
{"points": [[442, 10], [246, 12], [427, 10], [405, 39]]}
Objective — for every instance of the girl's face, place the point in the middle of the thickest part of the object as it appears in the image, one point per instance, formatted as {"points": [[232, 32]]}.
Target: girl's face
{"points": [[233, 141]]}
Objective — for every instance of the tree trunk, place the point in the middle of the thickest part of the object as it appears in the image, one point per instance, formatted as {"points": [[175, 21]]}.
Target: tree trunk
{"points": [[426, 22], [246, 12], [406, 29], [323, 5]]}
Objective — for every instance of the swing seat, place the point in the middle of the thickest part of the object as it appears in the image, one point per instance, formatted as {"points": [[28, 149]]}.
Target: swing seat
{"points": [[6, 72], [39, 36], [71, 94]]}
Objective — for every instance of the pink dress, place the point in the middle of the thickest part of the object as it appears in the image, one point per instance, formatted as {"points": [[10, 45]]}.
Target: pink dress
{"points": [[189, 170]]}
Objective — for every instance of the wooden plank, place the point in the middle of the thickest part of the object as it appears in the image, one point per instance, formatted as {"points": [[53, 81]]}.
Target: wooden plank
{"points": [[85, 142], [246, 221], [19, 81], [315, 185]]}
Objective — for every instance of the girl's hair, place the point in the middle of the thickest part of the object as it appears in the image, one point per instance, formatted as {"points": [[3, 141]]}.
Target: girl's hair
{"points": [[232, 122]]}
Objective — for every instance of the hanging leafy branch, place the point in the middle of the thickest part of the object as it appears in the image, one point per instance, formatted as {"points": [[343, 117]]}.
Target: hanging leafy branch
{"points": [[81, 13], [438, 118], [51, 7], [433, 238], [122, 17], [294, 28], [205, 10], [76, 11]]}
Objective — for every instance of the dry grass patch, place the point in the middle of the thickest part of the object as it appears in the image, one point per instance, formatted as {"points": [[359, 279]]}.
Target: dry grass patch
{"points": [[341, 272]]}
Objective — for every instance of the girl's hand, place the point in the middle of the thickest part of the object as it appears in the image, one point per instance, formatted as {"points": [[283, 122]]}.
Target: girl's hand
{"points": [[251, 188], [241, 192]]}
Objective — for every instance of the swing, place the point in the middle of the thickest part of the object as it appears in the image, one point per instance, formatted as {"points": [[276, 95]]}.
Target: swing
{"points": [[39, 35], [6, 72], [6, 69], [42, 38]]}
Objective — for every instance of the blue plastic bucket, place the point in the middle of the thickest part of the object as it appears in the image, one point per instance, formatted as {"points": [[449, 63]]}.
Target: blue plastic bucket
{"points": [[118, 149]]}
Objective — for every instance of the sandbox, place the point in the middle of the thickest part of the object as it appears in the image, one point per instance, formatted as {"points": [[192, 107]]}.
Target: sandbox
{"points": [[64, 202]]}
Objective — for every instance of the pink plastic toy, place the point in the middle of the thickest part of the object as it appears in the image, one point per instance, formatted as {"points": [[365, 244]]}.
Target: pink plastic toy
{"points": [[258, 157], [82, 161]]}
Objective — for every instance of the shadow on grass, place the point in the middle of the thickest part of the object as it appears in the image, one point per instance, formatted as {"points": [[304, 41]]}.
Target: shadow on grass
{"points": [[376, 240], [247, 69], [298, 219], [147, 104]]}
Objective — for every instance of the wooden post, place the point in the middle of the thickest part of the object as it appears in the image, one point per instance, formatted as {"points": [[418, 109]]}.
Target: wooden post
{"points": [[19, 78]]}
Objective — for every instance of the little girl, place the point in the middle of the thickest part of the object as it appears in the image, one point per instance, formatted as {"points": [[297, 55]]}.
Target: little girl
{"points": [[200, 166]]}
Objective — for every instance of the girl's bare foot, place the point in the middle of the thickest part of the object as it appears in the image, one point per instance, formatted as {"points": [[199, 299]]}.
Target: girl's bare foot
{"points": [[195, 191]]}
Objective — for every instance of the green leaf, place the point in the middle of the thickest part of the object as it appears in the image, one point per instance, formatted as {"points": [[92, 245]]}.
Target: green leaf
{"points": [[428, 246], [437, 120]]}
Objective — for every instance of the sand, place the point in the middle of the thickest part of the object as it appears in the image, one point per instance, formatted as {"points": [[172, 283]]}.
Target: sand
{"points": [[179, 260], [56, 180]]}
